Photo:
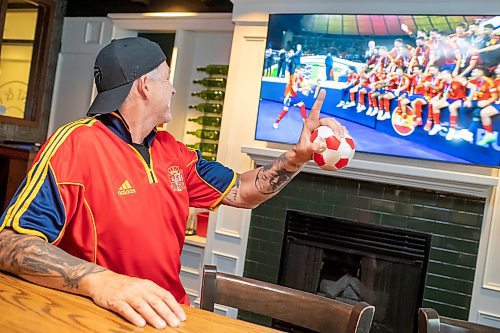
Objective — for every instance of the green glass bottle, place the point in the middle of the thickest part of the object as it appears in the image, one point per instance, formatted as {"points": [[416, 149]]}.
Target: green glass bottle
{"points": [[212, 82], [214, 69], [207, 121], [205, 147], [208, 107], [215, 95], [205, 134]]}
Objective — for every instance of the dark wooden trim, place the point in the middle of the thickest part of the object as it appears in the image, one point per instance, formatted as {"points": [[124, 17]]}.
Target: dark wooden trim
{"points": [[38, 69], [18, 41]]}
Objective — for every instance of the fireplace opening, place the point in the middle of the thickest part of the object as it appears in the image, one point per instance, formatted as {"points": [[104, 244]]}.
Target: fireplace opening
{"points": [[352, 261]]}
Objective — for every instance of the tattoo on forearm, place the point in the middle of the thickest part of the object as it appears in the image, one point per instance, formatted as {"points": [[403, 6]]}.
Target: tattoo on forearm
{"points": [[233, 192], [31, 256], [273, 177]]}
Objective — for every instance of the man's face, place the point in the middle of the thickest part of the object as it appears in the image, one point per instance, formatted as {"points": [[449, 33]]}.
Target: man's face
{"points": [[163, 91], [433, 70], [477, 73], [445, 75], [459, 30], [371, 44], [421, 33]]}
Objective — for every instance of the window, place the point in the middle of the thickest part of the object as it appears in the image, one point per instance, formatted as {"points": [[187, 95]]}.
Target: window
{"points": [[23, 58]]}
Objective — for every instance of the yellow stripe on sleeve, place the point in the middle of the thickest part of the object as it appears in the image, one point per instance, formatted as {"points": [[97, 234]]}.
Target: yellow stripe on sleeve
{"points": [[38, 173]]}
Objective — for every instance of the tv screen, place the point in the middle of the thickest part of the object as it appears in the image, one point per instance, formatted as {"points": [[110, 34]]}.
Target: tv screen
{"points": [[415, 86]]}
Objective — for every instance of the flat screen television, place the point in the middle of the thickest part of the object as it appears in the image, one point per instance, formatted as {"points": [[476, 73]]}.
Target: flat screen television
{"points": [[415, 86]]}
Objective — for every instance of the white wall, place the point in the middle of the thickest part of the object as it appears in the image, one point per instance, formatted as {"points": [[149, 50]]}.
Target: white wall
{"points": [[198, 49], [242, 97], [82, 39]]}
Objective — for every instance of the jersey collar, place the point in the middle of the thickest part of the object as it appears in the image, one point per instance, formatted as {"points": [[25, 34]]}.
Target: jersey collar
{"points": [[115, 122]]}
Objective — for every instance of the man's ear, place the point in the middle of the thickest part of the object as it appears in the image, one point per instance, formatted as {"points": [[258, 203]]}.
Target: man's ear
{"points": [[143, 86]]}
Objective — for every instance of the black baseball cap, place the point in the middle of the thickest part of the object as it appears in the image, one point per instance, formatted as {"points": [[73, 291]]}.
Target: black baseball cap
{"points": [[116, 68]]}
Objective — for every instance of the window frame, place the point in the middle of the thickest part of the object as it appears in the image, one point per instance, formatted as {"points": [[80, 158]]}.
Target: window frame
{"points": [[39, 63]]}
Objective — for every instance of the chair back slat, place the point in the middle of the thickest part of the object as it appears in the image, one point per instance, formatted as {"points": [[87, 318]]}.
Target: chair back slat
{"points": [[289, 305], [429, 321]]}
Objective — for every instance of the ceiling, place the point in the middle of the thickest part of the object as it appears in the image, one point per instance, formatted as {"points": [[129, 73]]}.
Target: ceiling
{"points": [[103, 7]]}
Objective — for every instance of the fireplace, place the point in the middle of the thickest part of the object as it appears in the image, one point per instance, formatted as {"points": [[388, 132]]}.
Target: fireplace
{"points": [[453, 220], [351, 262]]}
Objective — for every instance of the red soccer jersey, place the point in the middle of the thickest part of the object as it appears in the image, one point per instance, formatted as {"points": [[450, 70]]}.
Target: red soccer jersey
{"points": [[400, 82], [292, 86], [482, 89], [93, 195], [417, 84], [435, 87], [422, 54], [353, 78], [454, 90]]}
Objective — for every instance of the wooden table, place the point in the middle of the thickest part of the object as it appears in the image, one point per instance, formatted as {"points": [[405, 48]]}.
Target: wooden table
{"points": [[27, 308]]}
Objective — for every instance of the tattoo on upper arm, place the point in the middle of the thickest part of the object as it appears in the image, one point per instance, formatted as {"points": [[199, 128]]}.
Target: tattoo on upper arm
{"points": [[273, 177], [32, 256], [233, 192]]}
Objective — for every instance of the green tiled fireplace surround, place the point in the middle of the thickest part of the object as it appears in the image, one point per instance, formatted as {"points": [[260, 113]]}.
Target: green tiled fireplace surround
{"points": [[454, 222]]}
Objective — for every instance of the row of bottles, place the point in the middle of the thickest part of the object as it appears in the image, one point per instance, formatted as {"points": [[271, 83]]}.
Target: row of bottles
{"points": [[210, 108], [209, 115]]}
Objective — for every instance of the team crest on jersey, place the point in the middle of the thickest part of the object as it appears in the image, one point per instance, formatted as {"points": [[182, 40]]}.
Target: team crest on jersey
{"points": [[176, 178]]}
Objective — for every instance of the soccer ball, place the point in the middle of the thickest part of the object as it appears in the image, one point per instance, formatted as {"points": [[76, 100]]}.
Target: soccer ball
{"points": [[338, 152]]}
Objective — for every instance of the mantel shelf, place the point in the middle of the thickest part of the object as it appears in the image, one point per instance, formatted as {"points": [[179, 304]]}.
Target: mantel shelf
{"points": [[418, 177]]}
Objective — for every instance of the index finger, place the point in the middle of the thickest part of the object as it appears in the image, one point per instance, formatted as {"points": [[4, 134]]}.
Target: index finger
{"points": [[314, 114]]}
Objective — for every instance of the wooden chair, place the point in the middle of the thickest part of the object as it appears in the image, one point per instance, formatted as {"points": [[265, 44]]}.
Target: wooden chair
{"points": [[429, 321], [288, 305]]}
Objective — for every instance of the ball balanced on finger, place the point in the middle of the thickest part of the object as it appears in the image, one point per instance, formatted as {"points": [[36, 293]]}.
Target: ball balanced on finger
{"points": [[338, 152]]}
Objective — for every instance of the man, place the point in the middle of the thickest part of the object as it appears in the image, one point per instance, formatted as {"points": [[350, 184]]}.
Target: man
{"points": [[453, 95], [102, 212], [371, 50], [490, 111], [268, 62], [281, 63], [328, 66], [421, 54], [292, 89], [347, 96], [416, 94], [483, 93]]}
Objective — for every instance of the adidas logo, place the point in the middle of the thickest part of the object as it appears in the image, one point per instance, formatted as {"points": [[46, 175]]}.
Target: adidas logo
{"points": [[126, 188]]}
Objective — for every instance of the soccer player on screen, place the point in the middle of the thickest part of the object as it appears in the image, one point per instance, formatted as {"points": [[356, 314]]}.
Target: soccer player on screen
{"points": [[292, 89], [399, 56], [420, 54], [363, 88], [398, 86], [416, 95], [490, 111], [352, 81], [452, 97], [483, 93], [433, 88]]}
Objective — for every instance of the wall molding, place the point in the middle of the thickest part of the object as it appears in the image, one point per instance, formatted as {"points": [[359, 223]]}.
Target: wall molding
{"points": [[488, 318], [425, 178]]}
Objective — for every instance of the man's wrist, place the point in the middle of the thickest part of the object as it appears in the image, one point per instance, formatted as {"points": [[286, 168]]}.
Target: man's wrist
{"points": [[294, 161], [91, 282]]}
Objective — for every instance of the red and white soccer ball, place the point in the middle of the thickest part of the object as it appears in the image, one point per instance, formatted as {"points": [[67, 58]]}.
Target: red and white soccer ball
{"points": [[338, 152]]}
